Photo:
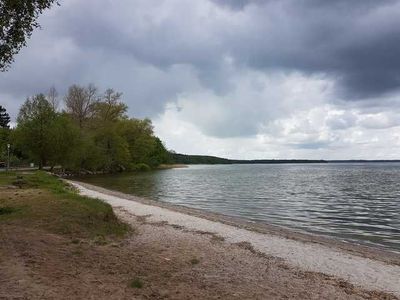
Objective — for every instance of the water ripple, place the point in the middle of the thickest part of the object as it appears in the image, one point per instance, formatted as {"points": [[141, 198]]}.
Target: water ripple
{"points": [[355, 202]]}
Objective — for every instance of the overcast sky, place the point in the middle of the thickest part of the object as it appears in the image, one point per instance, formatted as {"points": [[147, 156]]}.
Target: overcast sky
{"points": [[235, 78]]}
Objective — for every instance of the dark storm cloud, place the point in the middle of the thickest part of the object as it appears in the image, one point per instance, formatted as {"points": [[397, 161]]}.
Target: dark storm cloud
{"points": [[354, 42], [241, 4], [233, 4], [155, 51]]}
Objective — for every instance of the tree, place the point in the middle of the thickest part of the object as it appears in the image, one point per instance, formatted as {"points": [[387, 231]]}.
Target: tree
{"points": [[48, 137], [52, 97], [4, 131], [93, 134], [4, 118], [159, 154], [80, 103], [144, 147], [114, 149], [33, 133], [66, 143], [18, 19], [110, 109]]}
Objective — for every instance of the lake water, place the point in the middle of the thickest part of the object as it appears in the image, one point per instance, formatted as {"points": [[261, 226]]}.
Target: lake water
{"points": [[353, 202]]}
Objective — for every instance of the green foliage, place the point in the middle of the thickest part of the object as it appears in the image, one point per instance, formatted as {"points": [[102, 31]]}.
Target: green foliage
{"points": [[65, 142], [141, 167], [136, 283], [159, 154], [144, 147], [4, 118], [45, 136], [4, 132], [194, 261], [34, 132], [89, 156], [4, 139], [17, 21], [114, 149], [93, 134], [7, 210], [110, 109]]}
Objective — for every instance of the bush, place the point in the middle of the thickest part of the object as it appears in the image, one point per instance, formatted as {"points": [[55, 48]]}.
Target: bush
{"points": [[141, 167]]}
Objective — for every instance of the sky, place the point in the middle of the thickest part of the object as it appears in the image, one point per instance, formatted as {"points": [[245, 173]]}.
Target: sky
{"points": [[244, 79]]}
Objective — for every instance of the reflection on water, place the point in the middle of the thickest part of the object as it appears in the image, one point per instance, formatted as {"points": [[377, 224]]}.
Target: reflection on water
{"points": [[355, 202]]}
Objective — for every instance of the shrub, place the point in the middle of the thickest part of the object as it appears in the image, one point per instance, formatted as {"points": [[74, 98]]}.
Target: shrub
{"points": [[141, 167]]}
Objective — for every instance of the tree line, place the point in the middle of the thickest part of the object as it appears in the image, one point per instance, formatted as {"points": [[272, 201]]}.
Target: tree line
{"points": [[91, 133], [178, 158]]}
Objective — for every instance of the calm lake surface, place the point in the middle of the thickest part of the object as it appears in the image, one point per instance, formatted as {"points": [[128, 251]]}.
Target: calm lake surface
{"points": [[353, 202]]}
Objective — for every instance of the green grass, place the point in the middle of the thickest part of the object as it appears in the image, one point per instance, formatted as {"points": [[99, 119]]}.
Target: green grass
{"points": [[6, 178], [7, 210], [194, 261], [45, 201], [136, 283]]}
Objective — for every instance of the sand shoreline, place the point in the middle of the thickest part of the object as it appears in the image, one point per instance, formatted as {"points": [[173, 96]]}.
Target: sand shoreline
{"points": [[371, 269]]}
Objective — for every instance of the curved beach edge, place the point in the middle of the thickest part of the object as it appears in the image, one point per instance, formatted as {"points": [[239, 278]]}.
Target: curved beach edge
{"points": [[366, 267]]}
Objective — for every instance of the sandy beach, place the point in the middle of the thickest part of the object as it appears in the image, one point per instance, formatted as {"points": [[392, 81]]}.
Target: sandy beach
{"points": [[334, 269]]}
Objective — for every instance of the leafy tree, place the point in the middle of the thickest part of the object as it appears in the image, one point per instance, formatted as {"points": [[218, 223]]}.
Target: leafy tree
{"points": [[113, 148], [138, 134], [4, 139], [144, 147], [92, 134], [109, 108], [4, 118], [18, 18], [48, 137], [160, 154], [66, 144], [4, 132], [90, 156], [33, 133]]}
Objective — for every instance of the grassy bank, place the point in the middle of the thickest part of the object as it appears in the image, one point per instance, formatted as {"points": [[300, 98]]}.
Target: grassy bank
{"points": [[39, 200]]}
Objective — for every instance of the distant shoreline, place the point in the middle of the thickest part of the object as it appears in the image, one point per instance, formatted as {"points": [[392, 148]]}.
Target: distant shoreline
{"points": [[185, 159]]}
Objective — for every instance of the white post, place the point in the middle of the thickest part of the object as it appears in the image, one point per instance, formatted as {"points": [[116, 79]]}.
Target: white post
{"points": [[8, 157]]}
